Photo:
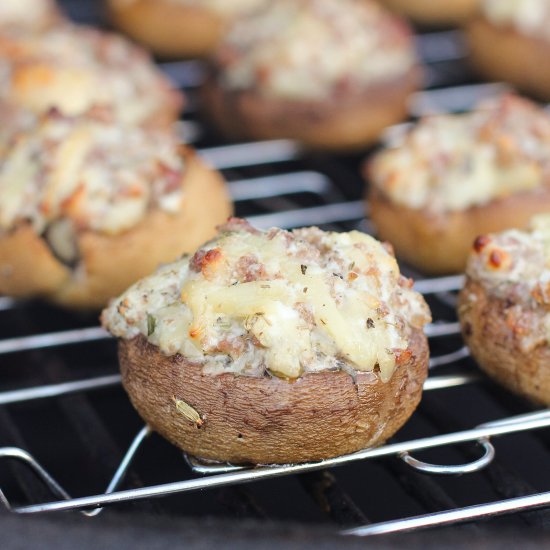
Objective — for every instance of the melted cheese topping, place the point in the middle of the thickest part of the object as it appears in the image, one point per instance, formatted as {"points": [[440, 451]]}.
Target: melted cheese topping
{"points": [[515, 266], [27, 14], [75, 68], [14, 120], [283, 302], [315, 49], [95, 173], [453, 162], [530, 17]]}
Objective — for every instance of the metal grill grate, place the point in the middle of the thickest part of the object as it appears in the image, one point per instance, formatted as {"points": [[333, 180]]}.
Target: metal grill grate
{"points": [[60, 370], [280, 186]]}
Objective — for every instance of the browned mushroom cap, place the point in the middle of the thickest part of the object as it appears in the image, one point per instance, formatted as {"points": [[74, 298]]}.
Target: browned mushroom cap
{"points": [[505, 54], [494, 336], [337, 94], [243, 419], [171, 29], [345, 124], [440, 244]]}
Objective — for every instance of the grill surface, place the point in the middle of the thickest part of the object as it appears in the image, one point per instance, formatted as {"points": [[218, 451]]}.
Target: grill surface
{"points": [[66, 426]]}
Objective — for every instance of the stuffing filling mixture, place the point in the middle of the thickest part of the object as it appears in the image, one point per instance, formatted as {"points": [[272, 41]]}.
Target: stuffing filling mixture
{"points": [[514, 266], [315, 49], [529, 17], [88, 172], [29, 15], [277, 303], [455, 161], [74, 68]]}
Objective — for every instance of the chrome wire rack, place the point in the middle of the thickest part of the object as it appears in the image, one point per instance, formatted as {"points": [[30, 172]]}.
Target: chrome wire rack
{"points": [[214, 475], [276, 193]]}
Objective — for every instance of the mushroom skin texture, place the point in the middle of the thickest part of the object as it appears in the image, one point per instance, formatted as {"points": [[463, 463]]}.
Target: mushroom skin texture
{"points": [[501, 53], [269, 420], [337, 124], [495, 344], [439, 244], [168, 29], [284, 72]]}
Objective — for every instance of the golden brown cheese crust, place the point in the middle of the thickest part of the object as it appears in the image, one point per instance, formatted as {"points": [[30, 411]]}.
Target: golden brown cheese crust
{"points": [[428, 12], [454, 177], [89, 172], [504, 53], [294, 50], [450, 162], [277, 302], [75, 68], [494, 329], [440, 243], [268, 420], [285, 72], [109, 263], [343, 123]]}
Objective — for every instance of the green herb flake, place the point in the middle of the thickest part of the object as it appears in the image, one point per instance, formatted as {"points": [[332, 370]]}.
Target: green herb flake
{"points": [[151, 324]]}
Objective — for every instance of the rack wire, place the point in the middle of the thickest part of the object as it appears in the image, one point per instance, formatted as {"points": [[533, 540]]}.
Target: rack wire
{"points": [[220, 475], [281, 189]]}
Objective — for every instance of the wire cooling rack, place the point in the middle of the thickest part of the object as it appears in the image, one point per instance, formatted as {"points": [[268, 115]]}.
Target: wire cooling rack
{"points": [[210, 476], [328, 208]]}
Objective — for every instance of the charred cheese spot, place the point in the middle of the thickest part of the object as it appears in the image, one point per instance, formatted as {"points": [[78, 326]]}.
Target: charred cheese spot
{"points": [[481, 242], [498, 259], [514, 267]]}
